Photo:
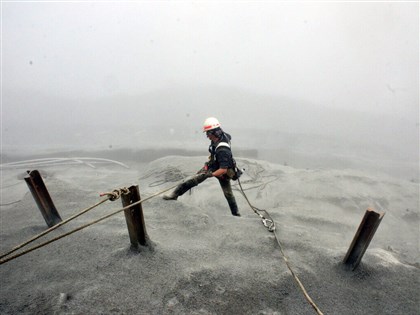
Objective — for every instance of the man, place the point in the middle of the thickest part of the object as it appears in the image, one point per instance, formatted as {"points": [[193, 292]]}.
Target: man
{"points": [[220, 165]]}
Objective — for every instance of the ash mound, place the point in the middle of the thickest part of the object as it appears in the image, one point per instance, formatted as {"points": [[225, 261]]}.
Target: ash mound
{"points": [[202, 259]]}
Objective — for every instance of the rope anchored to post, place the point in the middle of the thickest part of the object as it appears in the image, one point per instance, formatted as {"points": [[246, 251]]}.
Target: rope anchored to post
{"points": [[52, 228], [2, 261], [267, 221], [116, 193]]}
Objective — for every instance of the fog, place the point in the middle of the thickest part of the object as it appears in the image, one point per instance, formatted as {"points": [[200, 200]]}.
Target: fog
{"points": [[321, 100], [324, 84]]}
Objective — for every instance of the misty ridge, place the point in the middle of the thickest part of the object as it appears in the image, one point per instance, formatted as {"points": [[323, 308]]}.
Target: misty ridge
{"points": [[273, 128], [321, 100]]}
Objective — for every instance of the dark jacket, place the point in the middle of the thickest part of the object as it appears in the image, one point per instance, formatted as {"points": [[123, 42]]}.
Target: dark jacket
{"points": [[221, 154]]}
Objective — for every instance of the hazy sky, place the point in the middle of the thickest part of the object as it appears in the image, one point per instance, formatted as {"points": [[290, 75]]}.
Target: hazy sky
{"points": [[353, 55]]}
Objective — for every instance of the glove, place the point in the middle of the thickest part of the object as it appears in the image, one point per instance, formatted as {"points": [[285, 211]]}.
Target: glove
{"points": [[204, 169]]}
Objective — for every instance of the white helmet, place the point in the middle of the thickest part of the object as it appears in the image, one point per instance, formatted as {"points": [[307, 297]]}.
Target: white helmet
{"points": [[210, 124]]}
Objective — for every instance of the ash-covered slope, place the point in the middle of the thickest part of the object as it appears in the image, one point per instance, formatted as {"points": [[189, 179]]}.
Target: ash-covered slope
{"points": [[205, 261]]}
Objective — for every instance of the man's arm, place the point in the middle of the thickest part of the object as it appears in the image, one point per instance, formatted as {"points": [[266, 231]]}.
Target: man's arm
{"points": [[224, 156], [220, 172]]}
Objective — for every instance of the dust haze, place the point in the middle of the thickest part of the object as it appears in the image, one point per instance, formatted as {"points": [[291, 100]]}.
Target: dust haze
{"points": [[339, 79], [321, 100]]}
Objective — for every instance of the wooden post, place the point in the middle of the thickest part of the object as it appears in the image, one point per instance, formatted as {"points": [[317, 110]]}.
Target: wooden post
{"points": [[42, 198], [135, 219], [362, 238]]}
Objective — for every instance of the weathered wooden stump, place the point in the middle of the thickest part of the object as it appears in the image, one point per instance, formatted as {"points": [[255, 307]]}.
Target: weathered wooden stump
{"points": [[42, 198], [362, 238], [135, 219]]}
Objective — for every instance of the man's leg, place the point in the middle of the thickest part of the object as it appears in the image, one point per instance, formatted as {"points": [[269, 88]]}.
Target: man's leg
{"points": [[185, 186], [227, 191]]}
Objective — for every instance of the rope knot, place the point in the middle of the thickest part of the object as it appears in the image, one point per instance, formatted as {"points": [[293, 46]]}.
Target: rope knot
{"points": [[116, 193]]}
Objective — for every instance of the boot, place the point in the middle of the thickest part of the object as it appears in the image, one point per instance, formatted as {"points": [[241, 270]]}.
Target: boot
{"points": [[171, 196], [234, 208], [180, 190]]}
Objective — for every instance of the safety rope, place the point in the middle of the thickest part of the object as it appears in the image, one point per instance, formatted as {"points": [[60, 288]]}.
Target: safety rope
{"points": [[2, 261], [170, 174], [305, 293], [51, 229], [115, 194], [267, 221], [270, 225]]}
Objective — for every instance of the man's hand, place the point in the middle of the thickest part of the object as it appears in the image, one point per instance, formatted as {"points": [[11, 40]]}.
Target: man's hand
{"points": [[204, 169]]}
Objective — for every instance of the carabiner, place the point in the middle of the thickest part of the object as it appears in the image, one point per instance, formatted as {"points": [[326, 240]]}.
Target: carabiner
{"points": [[270, 226]]}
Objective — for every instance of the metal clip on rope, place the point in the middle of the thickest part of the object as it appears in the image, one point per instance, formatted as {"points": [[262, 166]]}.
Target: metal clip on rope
{"points": [[269, 224]]}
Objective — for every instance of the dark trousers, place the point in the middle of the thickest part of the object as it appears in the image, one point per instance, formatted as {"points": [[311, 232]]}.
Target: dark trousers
{"points": [[224, 182]]}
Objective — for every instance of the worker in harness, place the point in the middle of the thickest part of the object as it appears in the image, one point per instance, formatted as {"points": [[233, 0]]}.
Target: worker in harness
{"points": [[220, 165]]}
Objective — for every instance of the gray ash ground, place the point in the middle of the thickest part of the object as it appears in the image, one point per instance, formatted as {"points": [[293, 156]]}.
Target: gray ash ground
{"points": [[201, 259]]}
